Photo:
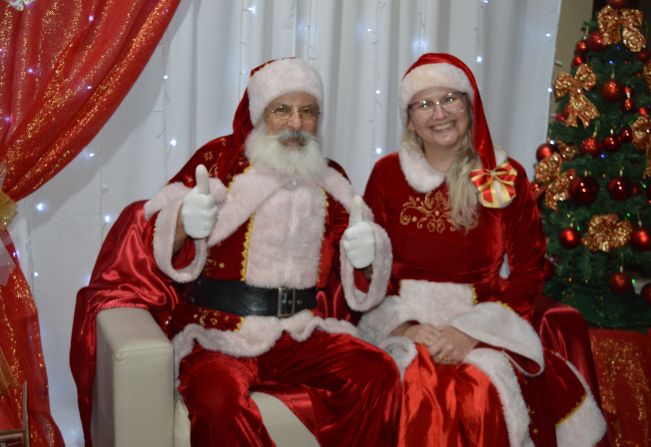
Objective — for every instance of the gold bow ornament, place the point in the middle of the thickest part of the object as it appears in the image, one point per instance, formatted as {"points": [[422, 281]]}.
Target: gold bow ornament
{"points": [[578, 106], [618, 25], [556, 182], [642, 140], [496, 186], [606, 232]]}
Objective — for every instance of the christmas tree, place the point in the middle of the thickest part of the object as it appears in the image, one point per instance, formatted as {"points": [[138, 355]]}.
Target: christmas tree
{"points": [[593, 175]]}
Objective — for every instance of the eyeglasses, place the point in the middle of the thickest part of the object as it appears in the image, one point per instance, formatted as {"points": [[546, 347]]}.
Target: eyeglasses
{"points": [[283, 112], [450, 103]]}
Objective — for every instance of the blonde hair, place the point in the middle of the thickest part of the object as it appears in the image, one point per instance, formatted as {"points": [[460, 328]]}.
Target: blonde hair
{"points": [[463, 205]]}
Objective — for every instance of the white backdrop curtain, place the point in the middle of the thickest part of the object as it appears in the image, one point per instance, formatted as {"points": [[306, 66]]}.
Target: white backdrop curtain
{"points": [[188, 93]]}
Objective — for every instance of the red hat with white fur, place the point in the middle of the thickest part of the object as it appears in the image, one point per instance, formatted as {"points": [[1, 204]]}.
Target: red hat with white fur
{"points": [[279, 77], [445, 70]]}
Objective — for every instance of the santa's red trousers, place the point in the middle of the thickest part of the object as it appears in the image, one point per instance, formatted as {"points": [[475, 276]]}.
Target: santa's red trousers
{"points": [[348, 392]]}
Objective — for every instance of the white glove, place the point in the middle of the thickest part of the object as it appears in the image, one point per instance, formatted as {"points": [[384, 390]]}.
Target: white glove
{"points": [[358, 240], [199, 209]]}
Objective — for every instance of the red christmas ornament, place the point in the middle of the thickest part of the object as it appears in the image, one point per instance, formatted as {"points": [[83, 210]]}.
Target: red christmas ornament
{"points": [[643, 55], [590, 146], [545, 150], [596, 41], [548, 269], [612, 90], [581, 47], [645, 293], [620, 188], [628, 106], [626, 135], [644, 111], [611, 143], [578, 60], [618, 4], [641, 239], [584, 190], [620, 283], [570, 238]]}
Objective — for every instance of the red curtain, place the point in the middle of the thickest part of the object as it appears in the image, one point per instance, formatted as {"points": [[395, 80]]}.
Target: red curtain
{"points": [[65, 66]]}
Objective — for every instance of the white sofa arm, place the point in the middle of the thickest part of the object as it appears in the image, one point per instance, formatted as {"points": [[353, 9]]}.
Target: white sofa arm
{"points": [[133, 403]]}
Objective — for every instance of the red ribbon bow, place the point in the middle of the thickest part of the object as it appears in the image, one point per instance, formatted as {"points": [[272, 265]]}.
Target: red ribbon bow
{"points": [[496, 186]]}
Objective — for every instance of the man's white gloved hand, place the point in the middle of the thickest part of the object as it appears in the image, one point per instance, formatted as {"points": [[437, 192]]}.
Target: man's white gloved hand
{"points": [[358, 240], [199, 209]]}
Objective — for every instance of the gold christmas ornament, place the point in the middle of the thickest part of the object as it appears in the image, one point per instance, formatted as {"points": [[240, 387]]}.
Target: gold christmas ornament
{"points": [[617, 25], [559, 189], [606, 233], [579, 106], [567, 151], [641, 129]]}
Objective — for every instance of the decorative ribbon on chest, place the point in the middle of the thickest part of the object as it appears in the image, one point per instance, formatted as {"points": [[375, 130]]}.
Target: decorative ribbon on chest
{"points": [[497, 186]]}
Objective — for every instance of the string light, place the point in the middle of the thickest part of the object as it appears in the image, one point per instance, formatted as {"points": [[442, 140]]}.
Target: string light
{"points": [[251, 9], [35, 274], [378, 150], [91, 18], [479, 59], [41, 207], [107, 218], [548, 35], [173, 142], [165, 77], [549, 89]]}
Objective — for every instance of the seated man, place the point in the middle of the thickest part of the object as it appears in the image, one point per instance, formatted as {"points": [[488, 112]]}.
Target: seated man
{"points": [[255, 267]]}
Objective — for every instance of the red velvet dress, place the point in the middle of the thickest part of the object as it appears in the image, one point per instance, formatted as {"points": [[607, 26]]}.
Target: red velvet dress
{"points": [[444, 276]]}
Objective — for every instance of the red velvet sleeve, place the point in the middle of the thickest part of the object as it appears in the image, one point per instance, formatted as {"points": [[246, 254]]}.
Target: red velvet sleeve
{"points": [[525, 246]]}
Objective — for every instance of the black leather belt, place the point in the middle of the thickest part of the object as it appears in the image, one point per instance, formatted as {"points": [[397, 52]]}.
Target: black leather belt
{"points": [[239, 298]]}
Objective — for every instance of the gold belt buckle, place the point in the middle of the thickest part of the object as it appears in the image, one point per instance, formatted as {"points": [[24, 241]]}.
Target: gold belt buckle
{"points": [[284, 295]]}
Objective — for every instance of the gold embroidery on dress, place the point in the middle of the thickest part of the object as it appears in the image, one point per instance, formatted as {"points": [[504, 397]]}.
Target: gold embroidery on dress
{"points": [[430, 211]]}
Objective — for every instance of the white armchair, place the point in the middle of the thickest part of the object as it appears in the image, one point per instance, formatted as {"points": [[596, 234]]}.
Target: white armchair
{"points": [[134, 403]]}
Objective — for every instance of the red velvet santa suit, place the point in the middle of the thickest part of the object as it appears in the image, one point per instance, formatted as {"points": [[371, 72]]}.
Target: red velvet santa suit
{"points": [[508, 390], [272, 230]]}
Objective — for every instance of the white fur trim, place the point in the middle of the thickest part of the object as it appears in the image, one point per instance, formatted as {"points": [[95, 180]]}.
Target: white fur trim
{"points": [[402, 350], [586, 426], [496, 325], [256, 335], [381, 265], [421, 176], [498, 369], [168, 202], [432, 75], [452, 303], [286, 238], [376, 325], [278, 78], [417, 171]]}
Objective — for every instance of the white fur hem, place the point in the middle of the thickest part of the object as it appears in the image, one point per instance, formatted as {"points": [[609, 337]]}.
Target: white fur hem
{"points": [[256, 335], [498, 369], [586, 425]]}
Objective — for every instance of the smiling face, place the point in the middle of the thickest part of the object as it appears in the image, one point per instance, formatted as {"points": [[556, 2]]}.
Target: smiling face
{"points": [[440, 117]]}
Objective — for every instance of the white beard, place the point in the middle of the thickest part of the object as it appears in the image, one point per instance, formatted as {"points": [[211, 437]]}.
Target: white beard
{"points": [[304, 161]]}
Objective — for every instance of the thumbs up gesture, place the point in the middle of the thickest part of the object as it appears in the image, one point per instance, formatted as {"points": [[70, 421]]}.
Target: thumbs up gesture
{"points": [[358, 240], [199, 209]]}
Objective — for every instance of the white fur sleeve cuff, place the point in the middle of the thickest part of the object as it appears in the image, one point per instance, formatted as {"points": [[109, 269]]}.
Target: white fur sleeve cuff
{"points": [[497, 325], [356, 299], [377, 324], [168, 203]]}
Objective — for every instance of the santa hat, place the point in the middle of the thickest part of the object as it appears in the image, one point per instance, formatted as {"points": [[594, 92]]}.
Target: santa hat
{"points": [[445, 70], [279, 77], [495, 184]]}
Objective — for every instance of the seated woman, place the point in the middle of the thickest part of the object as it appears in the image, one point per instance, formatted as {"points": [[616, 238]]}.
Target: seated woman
{"points": [[475, 372]]}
